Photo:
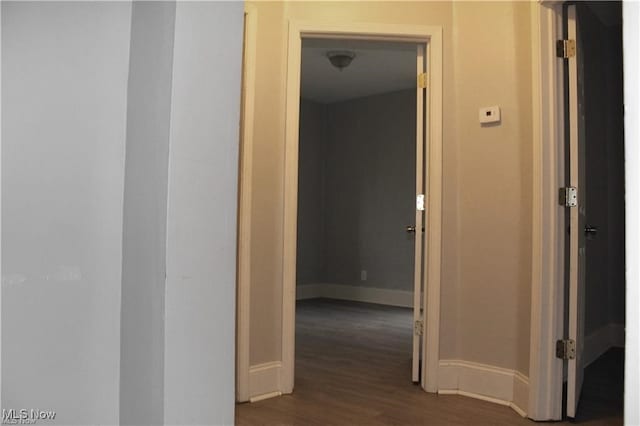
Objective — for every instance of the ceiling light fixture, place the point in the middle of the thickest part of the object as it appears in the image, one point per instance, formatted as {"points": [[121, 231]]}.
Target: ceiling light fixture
{"points": [[341, 58]]}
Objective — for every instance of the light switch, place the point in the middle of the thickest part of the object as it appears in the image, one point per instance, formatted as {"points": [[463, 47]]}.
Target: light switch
{"points": [[489, 115]]}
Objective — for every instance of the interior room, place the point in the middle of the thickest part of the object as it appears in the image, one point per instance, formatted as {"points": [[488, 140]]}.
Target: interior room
{"points": [[356, 197], [159, 216]]}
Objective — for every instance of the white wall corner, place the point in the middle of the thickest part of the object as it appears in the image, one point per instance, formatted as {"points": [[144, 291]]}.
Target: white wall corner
{"points": [[265, 381], [545, 371], [488, 383], [631, 40]]}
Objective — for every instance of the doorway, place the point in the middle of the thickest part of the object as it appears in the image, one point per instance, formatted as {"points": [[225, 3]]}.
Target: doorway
{"points": [[550, 321], [357, 239], [429, 259], [594, 201]]}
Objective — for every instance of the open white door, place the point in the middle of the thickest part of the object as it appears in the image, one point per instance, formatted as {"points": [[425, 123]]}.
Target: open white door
{"points": [[418, 317], [577, 224]]}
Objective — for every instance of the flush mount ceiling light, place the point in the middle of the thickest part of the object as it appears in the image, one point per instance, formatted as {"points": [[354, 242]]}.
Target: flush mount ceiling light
{"points": [[341, 58]]}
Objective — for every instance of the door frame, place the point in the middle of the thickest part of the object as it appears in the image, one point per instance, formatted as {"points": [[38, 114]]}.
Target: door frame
{"points": [[243, 267], [548, 221], [432, 37]]}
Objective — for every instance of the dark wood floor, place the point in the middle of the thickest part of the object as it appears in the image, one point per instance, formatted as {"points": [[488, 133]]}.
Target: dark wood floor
{"points": [[353, 368]]}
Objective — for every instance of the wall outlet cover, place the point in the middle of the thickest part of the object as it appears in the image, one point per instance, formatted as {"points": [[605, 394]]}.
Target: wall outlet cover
{"points": [[489, 115]]}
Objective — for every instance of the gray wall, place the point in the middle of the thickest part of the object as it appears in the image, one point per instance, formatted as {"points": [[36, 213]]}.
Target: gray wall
{"points": [[145, 213], [616, 164], [201, 227], [118, 278], [311, 252], [369, 169], [64, 108], [605, 170]]}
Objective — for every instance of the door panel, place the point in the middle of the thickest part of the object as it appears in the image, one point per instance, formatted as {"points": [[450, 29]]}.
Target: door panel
{"points": [[418, 316], [577, 240]]}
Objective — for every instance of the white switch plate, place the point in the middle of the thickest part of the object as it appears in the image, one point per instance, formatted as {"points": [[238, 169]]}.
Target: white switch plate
{"points": [[489, 115]]}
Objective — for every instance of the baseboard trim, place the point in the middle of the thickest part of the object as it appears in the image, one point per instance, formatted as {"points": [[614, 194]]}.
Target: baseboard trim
{"points": [[308, 291], [264, 381], [488, 383], [265, 396], [520, 400], [472, 395], [517, 409], [381, 296], [601, 340]]}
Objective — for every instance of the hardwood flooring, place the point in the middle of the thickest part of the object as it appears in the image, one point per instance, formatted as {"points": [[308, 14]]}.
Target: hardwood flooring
{"points": [[353, 367]]}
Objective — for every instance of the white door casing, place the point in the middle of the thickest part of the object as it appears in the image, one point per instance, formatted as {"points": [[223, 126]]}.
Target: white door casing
{"points": [[418, 270], [431, 36], [243, 291], [548, 224]]}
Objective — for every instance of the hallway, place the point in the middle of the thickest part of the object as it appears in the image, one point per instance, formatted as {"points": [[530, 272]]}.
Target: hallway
{"points": [[353, 365], [353, 368]]}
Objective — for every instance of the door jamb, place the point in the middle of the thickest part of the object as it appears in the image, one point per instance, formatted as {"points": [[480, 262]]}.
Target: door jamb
{"points": [[548, 265], [243, 307], [432, 36]]}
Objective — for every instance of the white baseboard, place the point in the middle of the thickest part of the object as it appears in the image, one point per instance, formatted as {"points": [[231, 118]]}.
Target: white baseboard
{"points": [[601, 340], [265, 396], [520, 400], [485, 382], [380, 296], [264, 381]]}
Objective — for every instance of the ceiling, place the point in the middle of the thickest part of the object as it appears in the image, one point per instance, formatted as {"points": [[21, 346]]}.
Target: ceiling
{"points": [[379, 67]]}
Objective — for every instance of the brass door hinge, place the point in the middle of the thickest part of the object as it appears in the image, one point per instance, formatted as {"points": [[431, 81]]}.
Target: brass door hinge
{"points": [[566, 48], [422, 80]]}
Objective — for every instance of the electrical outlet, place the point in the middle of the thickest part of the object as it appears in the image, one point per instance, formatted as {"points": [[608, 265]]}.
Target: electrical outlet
{"points": [[363, 275]]}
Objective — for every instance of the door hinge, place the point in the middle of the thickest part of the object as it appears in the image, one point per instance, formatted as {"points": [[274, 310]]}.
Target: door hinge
{"points": [[566, 349], [568, 196], [422, 80], [566, 48], [418, 327]]}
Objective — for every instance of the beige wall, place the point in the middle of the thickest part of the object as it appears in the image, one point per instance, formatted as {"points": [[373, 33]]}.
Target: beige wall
{"points": [[487, 172], [267, 196], [492, 45]]}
